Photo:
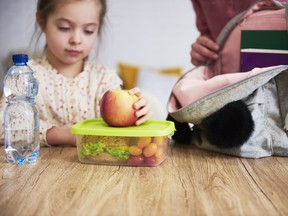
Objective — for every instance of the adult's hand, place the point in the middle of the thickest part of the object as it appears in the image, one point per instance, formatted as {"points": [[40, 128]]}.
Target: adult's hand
{"points": [[203, 49]]}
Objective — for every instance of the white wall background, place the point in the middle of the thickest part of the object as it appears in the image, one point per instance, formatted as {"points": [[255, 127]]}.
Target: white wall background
{"points": [[152, 33]]}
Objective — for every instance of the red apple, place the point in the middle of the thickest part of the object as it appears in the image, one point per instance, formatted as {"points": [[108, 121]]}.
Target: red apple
{"points": [[117, 109]]}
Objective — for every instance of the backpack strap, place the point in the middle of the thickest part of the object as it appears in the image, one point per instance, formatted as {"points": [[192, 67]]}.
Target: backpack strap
{"points": [[282, 4]]}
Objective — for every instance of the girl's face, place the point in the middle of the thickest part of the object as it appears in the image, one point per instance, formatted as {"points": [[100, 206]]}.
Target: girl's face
{"points": [[71, 32]]}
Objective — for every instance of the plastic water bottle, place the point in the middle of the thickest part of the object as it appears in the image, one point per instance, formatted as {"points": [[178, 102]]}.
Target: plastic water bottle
{"points": [[21, 119]]}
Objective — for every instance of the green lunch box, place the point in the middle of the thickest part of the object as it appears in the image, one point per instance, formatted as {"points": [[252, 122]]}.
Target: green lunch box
{"points": [[145, 145]]}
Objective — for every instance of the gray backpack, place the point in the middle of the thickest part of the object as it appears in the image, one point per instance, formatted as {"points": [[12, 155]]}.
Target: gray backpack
{"points": [[245, 119], [235, 113]]}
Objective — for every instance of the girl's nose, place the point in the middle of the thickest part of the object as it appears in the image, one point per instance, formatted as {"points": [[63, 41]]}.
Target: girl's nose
{"points": [[75, 38]]}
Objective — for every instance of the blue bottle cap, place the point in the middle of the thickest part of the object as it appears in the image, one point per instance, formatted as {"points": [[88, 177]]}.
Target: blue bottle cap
{"points": [[20, 58]]}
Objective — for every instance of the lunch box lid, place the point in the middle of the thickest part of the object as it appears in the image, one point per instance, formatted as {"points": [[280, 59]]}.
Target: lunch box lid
{"points": [[99, 128]]}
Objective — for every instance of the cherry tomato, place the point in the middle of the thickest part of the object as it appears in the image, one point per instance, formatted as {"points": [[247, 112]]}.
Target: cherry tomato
{"points": [[159, 154], [135, 150], [152, 161], [150, 150], [135, 160], [161, 141], [143, 142]]}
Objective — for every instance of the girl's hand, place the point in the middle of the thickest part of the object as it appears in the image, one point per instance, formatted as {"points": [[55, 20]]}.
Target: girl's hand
{"points": [[144, 112], [60, 135], [202, 50]]}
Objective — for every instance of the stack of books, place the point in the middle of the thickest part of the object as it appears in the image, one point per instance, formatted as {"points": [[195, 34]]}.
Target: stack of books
{"points": [[261, 48]]}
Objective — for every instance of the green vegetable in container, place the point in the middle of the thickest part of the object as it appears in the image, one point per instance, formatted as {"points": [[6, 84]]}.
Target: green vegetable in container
{"points": [[102, 145]]}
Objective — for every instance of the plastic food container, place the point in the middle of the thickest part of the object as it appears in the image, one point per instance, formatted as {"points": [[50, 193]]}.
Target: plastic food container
{"points": [[144, 145]]}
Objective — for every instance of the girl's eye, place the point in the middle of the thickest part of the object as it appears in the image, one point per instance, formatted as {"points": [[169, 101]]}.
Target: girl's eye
{"points": [[64, 29], [89, 32]]}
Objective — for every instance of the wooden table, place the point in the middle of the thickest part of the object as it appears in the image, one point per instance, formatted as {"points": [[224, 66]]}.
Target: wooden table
{"points": [[189, 182]]}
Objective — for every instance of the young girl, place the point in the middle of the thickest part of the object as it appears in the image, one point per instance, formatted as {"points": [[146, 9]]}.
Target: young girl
{"points": [[70, 87]]}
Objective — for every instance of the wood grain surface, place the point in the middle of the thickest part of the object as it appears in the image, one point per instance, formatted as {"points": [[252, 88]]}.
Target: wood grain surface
{"points": [[189, 182]]}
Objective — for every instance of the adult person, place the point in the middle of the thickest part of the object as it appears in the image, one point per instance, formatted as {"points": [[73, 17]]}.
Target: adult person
{"points": [[211, 17]]}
